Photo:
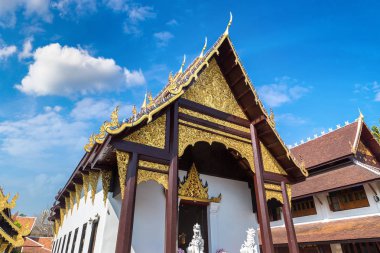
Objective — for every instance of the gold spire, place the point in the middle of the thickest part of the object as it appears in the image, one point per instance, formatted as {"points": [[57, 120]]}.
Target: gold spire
{"points": [[204, 48], [228, 25], [134, 111], [150, 99], [183, 64]]}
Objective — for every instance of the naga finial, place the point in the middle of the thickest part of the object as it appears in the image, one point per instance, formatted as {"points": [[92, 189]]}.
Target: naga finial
{"points": [[183, 64], [203, 49], [228, 25]]}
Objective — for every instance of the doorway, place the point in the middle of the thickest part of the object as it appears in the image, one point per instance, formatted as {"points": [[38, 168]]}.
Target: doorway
{"points": [[189, 214]]}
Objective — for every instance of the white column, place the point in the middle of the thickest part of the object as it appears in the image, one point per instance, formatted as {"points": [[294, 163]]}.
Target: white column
{"points": [[336, 248], [213, 224]]}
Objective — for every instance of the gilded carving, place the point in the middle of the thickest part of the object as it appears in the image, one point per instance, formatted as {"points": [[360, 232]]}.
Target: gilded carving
{"points": [[4, 201], [157, 166], [214, 120], [274, 191], [364, 154], [67, 204], [86, 184], [94, 178], [192, 188], [153, 134], [270, 163], [56, 227], [211, 89], [122, 163], [274, 195], [145, 175], [72, 198], [62, 214], [78, 192], [190, 136], [106, 183]]}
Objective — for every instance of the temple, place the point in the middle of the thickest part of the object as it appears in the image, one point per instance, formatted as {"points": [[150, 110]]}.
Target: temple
{"points": [[12, 232], [196, 169]]}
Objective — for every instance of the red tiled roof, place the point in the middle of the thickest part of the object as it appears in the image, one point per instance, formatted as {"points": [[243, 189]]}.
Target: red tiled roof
{"points": [[328, 147], [45, 241], [29, 243], [339, 230], [26, 222], [345, 176]]}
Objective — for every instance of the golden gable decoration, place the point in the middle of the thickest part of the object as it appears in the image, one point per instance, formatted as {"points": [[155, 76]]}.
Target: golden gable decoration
{"points": [[122, 163], [211, 89], [86, 184], [106, 183], [192, 188], [153, 134], [94, 178]]}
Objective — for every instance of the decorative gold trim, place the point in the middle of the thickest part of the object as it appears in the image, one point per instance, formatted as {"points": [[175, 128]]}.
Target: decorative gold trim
{"points": [[106, 183], [72, 198], [67, 204], [94, 178], [274, 191], [122, 166], [16, 242], [5, 203], [62, 214], [145, 175], [152, 134], [192, 188], [214, 120], [151, 165], [274, 195], [86, 184], [78, 193]]}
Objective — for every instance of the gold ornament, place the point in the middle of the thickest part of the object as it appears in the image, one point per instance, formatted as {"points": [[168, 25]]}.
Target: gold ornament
{"points": [[78, 193], [62, 214], [192, 188], [94, 178], [145, 175], [90, 144], [214, 120], [4, 201], [151, 165], [106, 183], [122, 163], [270, 163], [67, 204], [72, 198], [153, 134], [212, 90], [86, 183]]}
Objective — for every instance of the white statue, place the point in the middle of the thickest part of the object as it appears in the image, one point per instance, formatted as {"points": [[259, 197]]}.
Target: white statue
{"points": [[249, 246], [197, 244]]}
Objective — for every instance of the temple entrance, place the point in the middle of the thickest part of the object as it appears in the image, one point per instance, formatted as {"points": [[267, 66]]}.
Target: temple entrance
{"points": [[189, 214]]}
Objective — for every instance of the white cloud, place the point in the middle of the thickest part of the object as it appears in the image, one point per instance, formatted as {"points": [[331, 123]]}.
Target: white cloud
{"points": [[73, 8], [172, 22], [140, 13], [284, 90], [134, 77], [370, 91], [26, 49], [31, 8], [65, 71], [39, 135], [7, 51], [290, 119], [163, 38]]}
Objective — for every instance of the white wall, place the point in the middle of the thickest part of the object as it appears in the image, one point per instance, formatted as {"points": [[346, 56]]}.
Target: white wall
{"points": [[105, 241], [149, 221], [228, 224]]}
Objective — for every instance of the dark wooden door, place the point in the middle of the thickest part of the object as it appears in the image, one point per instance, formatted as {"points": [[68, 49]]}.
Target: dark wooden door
{"points": [[189, 214]]}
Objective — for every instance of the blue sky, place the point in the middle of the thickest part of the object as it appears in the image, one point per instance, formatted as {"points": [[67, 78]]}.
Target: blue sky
{"points": [[65, 64]]}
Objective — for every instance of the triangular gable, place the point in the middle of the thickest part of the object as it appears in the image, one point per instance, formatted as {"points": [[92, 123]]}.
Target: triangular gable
{"points": [[211, 89]]}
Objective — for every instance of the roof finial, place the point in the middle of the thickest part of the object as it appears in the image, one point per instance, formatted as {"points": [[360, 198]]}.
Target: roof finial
{"points": [[134, 111], [361, 116], [203, 49], [228, 25], [183, 64], [143, 106]]}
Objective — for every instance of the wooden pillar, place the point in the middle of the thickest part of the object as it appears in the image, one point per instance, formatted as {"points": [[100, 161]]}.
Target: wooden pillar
{"points": [[171, 214], [290, 231], [124, 235], [265, 231]]}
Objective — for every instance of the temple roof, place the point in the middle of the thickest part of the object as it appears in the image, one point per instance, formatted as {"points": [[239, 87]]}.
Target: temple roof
{"points": [[329, 231], [346, 176]]}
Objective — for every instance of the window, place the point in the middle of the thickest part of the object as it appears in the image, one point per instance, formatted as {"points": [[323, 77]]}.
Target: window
{"points": [[74, 240], [93, 236], [53, 247], [59, 245], [346, 199], [274, 209], [361, 247], [82, 237], [63, 244], [303, 207], [68, 242]]}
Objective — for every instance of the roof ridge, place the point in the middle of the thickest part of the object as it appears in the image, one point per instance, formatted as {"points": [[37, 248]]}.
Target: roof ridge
{"points": [[368, 167], [323, 133]]}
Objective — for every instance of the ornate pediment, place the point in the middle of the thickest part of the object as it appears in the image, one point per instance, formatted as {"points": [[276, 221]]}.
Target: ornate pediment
{"points": [[192, 188]]}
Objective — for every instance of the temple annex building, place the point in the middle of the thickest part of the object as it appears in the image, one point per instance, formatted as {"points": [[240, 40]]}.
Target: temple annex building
{"points": [[202, 163]]}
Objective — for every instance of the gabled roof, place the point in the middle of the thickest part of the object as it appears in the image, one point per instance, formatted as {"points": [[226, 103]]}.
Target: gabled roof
{"points": [[241, 86], [26, 222], [338, 144]]}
